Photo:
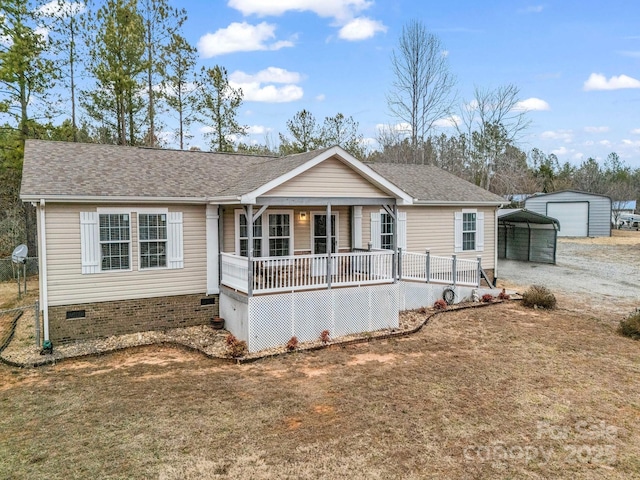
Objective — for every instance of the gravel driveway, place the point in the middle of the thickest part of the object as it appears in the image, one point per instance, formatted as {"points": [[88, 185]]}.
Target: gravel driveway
{"points": [[599, 274]]}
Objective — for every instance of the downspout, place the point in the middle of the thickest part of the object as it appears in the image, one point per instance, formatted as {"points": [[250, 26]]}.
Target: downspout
{"points": [[43, 271], [495, 247]]}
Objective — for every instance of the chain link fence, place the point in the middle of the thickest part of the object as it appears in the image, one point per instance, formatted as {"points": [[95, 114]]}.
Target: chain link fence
{"points": [[9, 270]]}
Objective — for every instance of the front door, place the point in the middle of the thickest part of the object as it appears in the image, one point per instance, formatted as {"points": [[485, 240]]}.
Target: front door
{"points": [[319, 243]]}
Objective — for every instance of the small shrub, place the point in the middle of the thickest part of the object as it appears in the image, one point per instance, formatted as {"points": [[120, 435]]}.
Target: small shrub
{"points": [[422, 310], [630, 326], [325, 336], [292, 344], [236, 348], [440, 304], [538, 296], [503, 295], [487, 298]]}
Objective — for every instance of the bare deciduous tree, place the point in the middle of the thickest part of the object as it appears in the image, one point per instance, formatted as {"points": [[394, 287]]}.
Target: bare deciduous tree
{"points": [[491, 122], [423, 87]]}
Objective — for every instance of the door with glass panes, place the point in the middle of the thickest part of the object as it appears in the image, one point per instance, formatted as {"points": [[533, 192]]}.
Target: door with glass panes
{"points": [[319, 243]]}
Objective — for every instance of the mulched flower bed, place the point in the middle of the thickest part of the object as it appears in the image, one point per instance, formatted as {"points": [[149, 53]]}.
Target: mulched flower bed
{"points": [[23, 352]]}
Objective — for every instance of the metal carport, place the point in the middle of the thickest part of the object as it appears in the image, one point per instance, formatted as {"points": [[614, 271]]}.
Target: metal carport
{"points": [[527, 236]]}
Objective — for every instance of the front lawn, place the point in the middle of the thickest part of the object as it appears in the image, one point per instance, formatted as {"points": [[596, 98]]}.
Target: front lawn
{"points": [[496, 392]]}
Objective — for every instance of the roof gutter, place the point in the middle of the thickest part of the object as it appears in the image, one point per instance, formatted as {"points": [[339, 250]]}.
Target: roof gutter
{"points": [[440, 203], [112, 199]]}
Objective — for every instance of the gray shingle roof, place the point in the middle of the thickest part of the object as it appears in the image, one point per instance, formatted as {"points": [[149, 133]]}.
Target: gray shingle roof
{"points": [[93, 170], [428, 183]]}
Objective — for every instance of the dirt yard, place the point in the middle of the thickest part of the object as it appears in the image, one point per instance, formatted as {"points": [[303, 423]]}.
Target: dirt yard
{"points": [[599, 274], [494, 392]]}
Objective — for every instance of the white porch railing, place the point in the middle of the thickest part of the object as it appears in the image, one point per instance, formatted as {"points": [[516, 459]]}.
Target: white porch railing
{"points": [[305, 272], [424, 267]]}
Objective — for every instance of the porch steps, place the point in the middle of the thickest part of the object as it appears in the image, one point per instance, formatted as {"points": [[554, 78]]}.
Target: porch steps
{"points": [[484, 275]]}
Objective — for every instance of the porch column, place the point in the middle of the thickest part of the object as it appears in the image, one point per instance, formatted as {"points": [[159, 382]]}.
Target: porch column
{"points": [[248, 212], [213, 249], [394, 268], [329, 245]]}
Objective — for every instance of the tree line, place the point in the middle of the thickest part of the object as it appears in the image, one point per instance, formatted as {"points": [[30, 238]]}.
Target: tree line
{"points": [[115, 71]]}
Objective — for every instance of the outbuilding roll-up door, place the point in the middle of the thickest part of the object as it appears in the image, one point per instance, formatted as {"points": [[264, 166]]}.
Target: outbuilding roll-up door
{"points": [[573, 218]]}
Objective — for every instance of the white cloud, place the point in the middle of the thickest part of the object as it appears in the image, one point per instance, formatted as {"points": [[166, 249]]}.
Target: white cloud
{"points": [[255, 87], [240, 37], [578, 156], [254, 92], [631, 143], [450, 122], [635, 131], [596, 129], [320, 98], [361, 28], [61, 9], [206, 129], [605, 143], [597, 81], [338, 9], [564, 135], [258, 130], [532, 104], [268, 75], [560, 151]]}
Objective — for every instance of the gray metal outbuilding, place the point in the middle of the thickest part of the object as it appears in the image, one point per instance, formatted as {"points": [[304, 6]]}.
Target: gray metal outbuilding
{"points": [[527, 236], [581, 214]]}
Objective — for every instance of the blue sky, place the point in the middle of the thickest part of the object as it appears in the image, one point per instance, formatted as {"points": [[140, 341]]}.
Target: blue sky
{"points": [[576, 63]]}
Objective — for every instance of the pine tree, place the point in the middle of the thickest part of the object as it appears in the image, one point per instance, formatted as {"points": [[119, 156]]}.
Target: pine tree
{"points": [[220, 102]]}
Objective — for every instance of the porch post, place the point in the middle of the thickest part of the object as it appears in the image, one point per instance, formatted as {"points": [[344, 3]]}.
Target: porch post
{"points": [[248, 212], [213, 249], [329, 233], [479, 271], [428, 265], [394, 267], [454, 268]]}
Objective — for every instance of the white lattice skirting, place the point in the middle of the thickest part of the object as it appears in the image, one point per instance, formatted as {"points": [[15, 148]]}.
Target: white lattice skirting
{"points": [[271, 320], [267, 321]]}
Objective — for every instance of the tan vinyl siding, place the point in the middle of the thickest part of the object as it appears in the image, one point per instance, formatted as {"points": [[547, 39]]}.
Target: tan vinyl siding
{"points": [[301, 228], [67, 285], [433, 228], [331, 178]]}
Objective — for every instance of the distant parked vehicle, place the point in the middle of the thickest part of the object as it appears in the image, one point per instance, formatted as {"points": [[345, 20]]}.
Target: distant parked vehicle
{"points": [[629, 221]]}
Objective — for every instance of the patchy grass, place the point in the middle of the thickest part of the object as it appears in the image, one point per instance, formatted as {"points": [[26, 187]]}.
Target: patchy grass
{"points": [[496, 392]]}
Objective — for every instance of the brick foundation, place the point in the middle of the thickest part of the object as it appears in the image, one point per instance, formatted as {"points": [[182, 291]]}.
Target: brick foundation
{"points": [[103, 319]]}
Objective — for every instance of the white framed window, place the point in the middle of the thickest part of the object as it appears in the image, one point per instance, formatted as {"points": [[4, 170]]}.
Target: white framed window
{"points": [[242, 235], [386, 231], [115, 241], [106, 239], [152, 239], [280, 233], [319, 232], [272, 233], [469, 231], [382, 230]]}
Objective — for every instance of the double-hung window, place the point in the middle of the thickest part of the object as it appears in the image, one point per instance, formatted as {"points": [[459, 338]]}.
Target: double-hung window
{"points": [[152, 231], [244, 236], [272, 234], [386, 231], [115, 242], [468, 231], [279, 234], [106, 239]]}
